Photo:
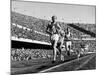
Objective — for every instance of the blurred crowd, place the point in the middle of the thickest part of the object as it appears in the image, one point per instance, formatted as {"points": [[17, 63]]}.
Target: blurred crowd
{"points": [[29, 21], [89, 27], [26, 34], [27, 54]]}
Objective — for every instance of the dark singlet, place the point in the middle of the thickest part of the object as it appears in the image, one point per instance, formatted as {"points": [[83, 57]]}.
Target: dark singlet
{"points": [[53, 28]]}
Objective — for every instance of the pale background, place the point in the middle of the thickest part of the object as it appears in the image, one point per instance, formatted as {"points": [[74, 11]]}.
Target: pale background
{"points": [[65, 12], [5, 37]]}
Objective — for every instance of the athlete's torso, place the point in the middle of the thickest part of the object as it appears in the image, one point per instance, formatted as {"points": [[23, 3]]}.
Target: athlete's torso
{"points": [[67, 36], [53, 28]]}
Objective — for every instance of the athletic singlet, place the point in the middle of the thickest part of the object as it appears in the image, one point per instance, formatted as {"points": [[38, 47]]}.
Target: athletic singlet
{"points": [[53, 28], [67, 36]]}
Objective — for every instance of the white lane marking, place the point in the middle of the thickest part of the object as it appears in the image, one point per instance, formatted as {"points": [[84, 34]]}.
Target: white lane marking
{"points": [[60, 65], [84, 63]]}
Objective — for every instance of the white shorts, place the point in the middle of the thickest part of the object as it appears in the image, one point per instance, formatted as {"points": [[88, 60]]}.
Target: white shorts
{"points": [[55, 37], [68, 43]]}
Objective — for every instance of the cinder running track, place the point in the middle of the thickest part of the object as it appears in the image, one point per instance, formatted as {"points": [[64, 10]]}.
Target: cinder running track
{"points": [[85, 62], [76, 64]]}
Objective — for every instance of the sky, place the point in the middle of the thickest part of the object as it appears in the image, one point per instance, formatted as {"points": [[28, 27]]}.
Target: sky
{"points": [[65, 12]]}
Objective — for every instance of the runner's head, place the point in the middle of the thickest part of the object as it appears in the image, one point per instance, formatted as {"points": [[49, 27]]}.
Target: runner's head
{"points": [[54, 18], [68, 29]]}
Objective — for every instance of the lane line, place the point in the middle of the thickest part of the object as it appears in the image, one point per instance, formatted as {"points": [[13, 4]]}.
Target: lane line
{"points": [[61, 64], [84, 63]]}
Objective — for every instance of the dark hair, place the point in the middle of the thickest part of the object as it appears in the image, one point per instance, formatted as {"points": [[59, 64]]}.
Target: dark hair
{"points": [[54, 16]]}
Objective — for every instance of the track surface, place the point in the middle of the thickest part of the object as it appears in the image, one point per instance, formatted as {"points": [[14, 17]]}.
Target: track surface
{"points": [[83, 63], [45, 65]]}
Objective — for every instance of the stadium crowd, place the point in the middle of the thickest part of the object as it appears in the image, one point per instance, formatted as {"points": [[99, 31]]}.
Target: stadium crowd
{"points": [[26, 34], [40, 25], [27, 54], [89, 27]]}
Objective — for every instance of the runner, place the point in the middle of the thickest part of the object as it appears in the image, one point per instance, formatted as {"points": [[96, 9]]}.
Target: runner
{"points": [[68, 42], [55, 31]]}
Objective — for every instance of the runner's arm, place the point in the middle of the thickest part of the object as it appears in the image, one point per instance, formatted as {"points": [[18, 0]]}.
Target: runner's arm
{"points": [[58, 25], [48, 29]]}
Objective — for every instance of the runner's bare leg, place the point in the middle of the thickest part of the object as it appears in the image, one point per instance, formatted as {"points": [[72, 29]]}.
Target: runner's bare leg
{"points": [[61, 56], [55, 49]]}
